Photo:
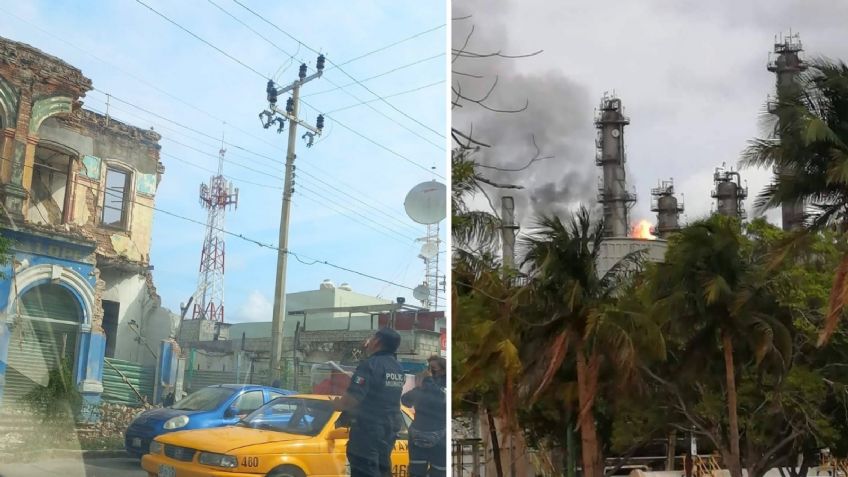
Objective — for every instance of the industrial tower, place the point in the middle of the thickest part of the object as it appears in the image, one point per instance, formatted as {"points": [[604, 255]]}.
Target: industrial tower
{"points": [[786, 66], [610, 155], [668, 209], [216, 197], [729, 193]]}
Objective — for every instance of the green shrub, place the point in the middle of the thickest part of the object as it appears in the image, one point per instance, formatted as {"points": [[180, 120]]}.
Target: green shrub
{"points": [[60, 399]]}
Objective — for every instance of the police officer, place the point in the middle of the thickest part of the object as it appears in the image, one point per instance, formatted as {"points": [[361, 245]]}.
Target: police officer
{"points": [[427, 435], [372, 403]]}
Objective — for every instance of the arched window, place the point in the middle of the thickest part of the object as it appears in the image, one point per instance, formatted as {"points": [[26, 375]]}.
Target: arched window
{"points": [[48, 321]]}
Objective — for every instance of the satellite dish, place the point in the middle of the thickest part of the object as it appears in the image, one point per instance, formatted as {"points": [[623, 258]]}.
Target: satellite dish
{"points": [[426, 203], [421, 293], [429, 249]]}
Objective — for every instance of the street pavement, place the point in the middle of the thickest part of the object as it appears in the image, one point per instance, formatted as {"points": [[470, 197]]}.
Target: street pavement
{"points": [[75, 467]]}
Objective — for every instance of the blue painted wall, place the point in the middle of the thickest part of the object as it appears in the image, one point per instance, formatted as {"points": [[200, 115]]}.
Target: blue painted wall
{"points": [[38, 250], [41, 250]]}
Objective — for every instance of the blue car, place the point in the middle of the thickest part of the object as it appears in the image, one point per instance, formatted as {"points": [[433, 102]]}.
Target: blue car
{"points": [[213, 406]]}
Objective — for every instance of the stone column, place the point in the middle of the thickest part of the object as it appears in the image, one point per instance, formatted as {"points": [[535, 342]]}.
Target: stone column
{"points": [[29, 162], [166, 370], [6, 153], [14, 193], [89, 376]]}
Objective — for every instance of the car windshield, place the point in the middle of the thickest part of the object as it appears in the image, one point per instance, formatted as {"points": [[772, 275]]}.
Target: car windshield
{"points": [[291, 415], [206, 399]]}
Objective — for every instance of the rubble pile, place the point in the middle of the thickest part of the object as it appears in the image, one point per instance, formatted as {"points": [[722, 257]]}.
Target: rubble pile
{"points": [[114, 420]]}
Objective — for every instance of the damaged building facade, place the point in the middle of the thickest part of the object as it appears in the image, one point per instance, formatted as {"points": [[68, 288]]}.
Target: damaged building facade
{"points": [[77, 192]]}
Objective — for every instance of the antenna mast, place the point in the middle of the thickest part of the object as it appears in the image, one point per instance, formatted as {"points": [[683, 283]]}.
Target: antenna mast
{"points": [[216, 197]]}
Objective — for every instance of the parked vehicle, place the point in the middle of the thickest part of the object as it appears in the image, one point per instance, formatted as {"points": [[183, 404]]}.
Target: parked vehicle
{"points": [[213, 406], [292, 436]]}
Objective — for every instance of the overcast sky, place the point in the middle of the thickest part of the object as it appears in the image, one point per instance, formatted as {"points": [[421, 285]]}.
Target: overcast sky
{"points": [[359, 222], [691, 75]]}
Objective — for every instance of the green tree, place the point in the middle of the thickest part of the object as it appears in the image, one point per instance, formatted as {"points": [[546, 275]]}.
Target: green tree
{"points": [[714, 297], [576, 316], [809, 146]]}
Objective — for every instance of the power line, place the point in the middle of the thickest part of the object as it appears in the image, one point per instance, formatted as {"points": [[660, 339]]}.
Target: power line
{"points": [[381, 146], [304, 102], [379, 75], [246, 167], [182, 101], [274, 45], [388, 46], [201, 39], [317, 198], [268, 158], [439, 134], [428, 85], [299, 257], [323, 203], [291, 56]]}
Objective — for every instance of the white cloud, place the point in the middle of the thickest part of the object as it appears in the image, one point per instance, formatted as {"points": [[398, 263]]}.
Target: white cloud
{"points": [[256, 307]]}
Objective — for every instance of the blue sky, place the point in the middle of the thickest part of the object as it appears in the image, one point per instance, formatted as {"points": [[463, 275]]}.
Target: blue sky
{"points": [[359, 222]]}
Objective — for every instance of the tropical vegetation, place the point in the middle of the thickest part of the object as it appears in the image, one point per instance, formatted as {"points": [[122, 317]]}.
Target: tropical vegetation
{"points": [[734, 338]]}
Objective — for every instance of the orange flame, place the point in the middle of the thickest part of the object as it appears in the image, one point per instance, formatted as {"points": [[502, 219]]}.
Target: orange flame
{"points": [[642, 230]]}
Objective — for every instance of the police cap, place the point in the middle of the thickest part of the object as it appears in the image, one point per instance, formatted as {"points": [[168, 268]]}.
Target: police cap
{"points": [[389, 339]]}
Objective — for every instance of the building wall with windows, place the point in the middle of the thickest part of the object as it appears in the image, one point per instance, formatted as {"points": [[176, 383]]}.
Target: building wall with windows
{"points": [[77, 192]]}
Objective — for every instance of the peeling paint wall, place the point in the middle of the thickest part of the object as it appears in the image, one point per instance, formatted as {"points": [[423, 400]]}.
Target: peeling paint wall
{"points": [[45, 129], [99, 144]]}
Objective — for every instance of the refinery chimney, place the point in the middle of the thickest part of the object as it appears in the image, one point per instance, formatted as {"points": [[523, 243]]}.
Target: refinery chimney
{"points": [[786, 66], [729, 193], [668, 209], [610, 156]]}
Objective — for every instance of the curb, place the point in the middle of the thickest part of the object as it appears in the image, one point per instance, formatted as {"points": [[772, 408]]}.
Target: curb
{"points": [[18, 457]]}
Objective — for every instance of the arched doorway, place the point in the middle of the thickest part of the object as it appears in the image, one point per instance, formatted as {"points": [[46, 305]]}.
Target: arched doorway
{"points": [[46, 329]]}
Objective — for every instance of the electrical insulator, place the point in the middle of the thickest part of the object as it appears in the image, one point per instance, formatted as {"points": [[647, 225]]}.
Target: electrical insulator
{"points": [[320, 64], [290, 106], [272, 92], [302, 73], [319, 123]]}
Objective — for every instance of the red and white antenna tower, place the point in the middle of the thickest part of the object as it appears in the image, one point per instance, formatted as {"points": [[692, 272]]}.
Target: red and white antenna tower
{"points": [[216, 197]]}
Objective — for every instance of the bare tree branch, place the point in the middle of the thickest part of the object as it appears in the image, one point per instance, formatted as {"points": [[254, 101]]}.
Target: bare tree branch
{"points": [[460, 73], [529, 163], [467, 39], [498, 54], [495, 184]]}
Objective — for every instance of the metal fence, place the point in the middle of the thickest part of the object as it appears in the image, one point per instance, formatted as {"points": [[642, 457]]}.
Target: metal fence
{"points": [[126, 382], [468, 458]]}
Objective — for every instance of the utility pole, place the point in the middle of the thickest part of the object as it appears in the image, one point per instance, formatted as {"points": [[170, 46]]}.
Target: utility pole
{"points": [[268, 117], [508, 230]]}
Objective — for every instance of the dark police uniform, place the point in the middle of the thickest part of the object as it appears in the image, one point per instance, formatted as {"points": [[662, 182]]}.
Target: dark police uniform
{"points": [[427, 435], [377, 384]]}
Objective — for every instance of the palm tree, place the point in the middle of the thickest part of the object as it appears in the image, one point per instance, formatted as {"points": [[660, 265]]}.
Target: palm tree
{"points": [[713, 295], [809, 146], [575, 316], [473, 231]]}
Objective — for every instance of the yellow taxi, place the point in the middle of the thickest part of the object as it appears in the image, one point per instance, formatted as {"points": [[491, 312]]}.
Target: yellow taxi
{"points": [[292, 436]]}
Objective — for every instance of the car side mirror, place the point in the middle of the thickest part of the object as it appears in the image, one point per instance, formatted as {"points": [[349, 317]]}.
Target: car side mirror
{"points": [[231, 412], [338, 433]]}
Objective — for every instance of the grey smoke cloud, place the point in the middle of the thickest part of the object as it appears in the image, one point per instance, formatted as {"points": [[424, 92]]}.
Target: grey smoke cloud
{"points": [[557, 117], [691, 76]]}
